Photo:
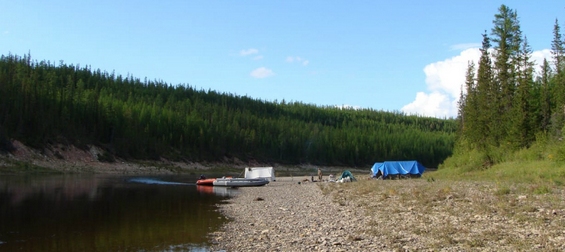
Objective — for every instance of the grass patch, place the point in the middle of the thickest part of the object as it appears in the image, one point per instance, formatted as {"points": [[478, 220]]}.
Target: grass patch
{"points": [[544, 173], [511, 203], [463, 209], [541, 189]]}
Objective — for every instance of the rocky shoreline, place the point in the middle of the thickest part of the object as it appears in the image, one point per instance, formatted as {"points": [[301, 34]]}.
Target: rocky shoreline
{"points": [[287, 215], [401, 215]]}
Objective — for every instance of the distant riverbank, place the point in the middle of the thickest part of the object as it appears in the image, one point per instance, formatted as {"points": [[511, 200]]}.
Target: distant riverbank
{"points": [[70, 159]]}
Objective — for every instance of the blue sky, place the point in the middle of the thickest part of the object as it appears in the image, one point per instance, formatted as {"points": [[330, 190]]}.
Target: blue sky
{"points": [[386, 55]]}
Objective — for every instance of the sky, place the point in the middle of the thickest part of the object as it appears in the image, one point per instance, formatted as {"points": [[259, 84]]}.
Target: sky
{"points": [[398, 56]]}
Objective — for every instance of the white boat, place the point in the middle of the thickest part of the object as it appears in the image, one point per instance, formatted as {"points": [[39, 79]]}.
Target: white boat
{"points": [[240, 182]]}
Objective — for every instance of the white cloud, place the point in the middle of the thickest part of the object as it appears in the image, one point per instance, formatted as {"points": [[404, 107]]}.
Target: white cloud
{"points": [[449, 75], [436, 104], [249, 51], [538, 57], [262, 72], [444, 80], [291, 59], [258, 57]]}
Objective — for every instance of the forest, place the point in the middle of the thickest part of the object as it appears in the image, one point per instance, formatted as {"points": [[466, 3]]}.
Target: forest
{"points": [[508, 105], [44, 103]]}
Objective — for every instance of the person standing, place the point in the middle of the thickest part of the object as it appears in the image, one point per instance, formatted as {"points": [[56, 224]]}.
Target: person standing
{"points": [[319, 174]]}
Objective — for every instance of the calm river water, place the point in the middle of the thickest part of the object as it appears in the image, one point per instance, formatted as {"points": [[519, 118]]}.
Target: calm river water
{"points": [[107, 213]]}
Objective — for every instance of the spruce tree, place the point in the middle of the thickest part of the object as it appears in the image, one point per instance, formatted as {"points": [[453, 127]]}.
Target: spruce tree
{"points": [[468, 105], [558, 53], [545, 96], [524, 108], [485, 121], [507, 38], [557, 50]]}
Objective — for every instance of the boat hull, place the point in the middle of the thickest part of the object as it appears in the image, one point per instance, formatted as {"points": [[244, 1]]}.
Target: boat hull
{"points": [[239, 182], [205, 182]]}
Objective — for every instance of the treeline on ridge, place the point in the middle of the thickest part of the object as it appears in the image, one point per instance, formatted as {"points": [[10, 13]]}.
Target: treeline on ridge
{"points": [[44, 103]]}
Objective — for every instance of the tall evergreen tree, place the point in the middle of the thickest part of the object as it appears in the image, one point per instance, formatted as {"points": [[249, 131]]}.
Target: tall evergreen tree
{"points": [[558, 53], [468, 105], [557, 48], [524, 108], [545, 96], [507, 37], [486, 98]]}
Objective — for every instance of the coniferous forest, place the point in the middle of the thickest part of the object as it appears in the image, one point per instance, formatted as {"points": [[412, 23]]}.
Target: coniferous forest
{"points": [[43, 103], [507, 105]]}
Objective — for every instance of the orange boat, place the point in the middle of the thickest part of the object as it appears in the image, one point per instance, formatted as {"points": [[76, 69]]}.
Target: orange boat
{"points": [[209, 181]]}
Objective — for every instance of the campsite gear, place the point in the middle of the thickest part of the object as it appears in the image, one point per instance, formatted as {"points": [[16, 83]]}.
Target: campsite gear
{"points": [[240, 182], [347, 175], [267, 173], [400, 168]]}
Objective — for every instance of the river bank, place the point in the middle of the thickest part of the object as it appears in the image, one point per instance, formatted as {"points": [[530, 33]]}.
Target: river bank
{"points": [[399, 215], [290, 216], [59, 158], [369, 215]]}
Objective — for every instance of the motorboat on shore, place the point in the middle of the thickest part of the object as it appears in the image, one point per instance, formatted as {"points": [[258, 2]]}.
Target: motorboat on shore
{"points": [[206, 181], [240, 182]]}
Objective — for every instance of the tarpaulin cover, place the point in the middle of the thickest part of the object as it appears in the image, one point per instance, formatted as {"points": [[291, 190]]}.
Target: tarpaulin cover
{"points": [[398, 168]]}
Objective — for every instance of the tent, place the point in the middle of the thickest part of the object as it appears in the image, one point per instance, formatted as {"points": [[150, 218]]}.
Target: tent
{"points": [[387, 168], [347, 174], [267, 173]]}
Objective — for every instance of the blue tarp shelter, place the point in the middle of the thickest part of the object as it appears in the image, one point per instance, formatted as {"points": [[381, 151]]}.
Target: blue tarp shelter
{"points": [[388, 168]]}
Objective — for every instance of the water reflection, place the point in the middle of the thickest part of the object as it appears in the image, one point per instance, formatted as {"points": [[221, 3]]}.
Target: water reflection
{"points": [[106, 213], [217, 190], [156, 181]]}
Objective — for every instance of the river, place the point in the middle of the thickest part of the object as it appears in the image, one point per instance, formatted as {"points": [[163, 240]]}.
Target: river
{"points": [[107, 213]]}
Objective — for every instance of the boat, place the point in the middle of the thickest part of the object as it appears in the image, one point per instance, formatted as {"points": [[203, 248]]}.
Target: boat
{"points": [[240, 182], [205, 181]]}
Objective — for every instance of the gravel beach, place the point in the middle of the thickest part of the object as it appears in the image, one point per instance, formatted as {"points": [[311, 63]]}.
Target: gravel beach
{"points": [[288, 216], [401, 215]]}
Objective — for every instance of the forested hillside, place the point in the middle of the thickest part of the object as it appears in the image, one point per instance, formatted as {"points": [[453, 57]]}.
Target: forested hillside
{"points": [[507, 105], [43, 102]]}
